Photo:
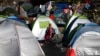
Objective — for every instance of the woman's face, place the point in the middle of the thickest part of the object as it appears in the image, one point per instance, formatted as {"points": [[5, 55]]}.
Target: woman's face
{"points": [[66, 10]]}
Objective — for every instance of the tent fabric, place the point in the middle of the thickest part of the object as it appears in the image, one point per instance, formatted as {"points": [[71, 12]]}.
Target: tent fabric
{"points": [[88, 44], [86, 41], [71, 34], [81, 20], [8, 40], [40, 32], [73, 22], [13, 17], [26, 6], [87, 27], [2, 18], [17, 40], [66, 33]]}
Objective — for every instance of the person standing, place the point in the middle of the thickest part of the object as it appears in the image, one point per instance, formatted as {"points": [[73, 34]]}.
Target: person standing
{"points": [[49, 34]]}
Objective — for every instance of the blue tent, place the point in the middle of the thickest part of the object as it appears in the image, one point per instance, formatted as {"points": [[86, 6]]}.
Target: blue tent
{"points": [[86, 41], [16, 18], [88, 27]]}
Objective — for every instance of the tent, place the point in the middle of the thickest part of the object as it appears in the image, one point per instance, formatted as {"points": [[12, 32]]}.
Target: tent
{"points": [[80, 20], [73, 23], [17, 40], [86, 41], [26, 6], [40, 26], [13, 17], [87, 27]]}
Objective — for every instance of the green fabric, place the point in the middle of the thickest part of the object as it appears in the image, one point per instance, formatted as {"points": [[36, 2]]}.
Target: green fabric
{"points": [[8, 11], [26, 8], [3, 16], [80, 16], [76, 14], [42, 16], [71, 34], [68, 21], [44, 24], [66, 24]]}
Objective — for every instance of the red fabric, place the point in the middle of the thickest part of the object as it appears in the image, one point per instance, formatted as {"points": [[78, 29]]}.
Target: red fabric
{"points": [[70, 52], [47, 38], [87, 1], [49, 34], [52, 16], [18, 9]]}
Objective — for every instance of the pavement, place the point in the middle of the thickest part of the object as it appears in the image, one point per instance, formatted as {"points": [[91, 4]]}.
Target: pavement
{"points": [[53, 50]]}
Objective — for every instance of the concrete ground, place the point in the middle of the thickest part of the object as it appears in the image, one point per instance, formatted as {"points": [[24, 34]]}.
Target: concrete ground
{"points": [[53, 50]]}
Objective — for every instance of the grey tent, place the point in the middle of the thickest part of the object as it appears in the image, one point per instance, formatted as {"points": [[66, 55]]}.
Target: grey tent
{"points": [[17, 40]]}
